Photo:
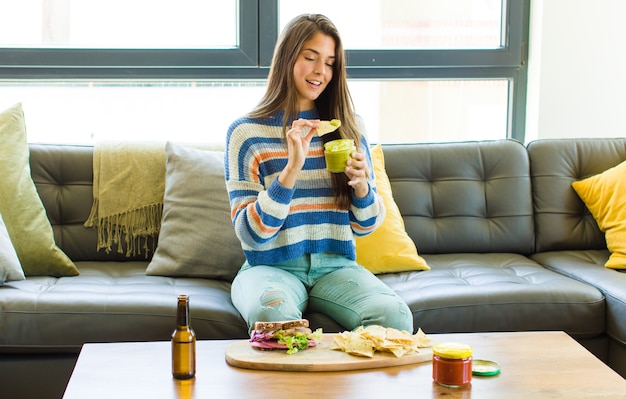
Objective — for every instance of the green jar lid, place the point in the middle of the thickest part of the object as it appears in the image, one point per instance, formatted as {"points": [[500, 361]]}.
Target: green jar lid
{"points": [[485, 368], [452, 350]]}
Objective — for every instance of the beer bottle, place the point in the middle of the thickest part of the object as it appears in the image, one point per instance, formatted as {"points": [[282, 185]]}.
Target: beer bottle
{"points": [[183, 343]]}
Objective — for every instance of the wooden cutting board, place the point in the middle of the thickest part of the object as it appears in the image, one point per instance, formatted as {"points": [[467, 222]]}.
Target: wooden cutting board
{"points": [[320, 358]]}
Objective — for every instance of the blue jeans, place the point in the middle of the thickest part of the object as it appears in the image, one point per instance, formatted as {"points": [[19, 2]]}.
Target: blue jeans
{"points": [[325, 283]]}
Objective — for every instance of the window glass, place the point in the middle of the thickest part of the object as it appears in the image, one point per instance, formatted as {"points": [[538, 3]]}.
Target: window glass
{"points": [[408, 24], [118, 23], [87, 112], [432, 111]]}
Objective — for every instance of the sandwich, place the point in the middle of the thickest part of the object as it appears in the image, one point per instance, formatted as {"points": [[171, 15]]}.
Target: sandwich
{"points": [[292, 335]]}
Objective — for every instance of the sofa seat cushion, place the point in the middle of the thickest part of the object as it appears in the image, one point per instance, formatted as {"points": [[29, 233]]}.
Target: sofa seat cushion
{"points": [[110, 301], [498, 292], [588, 266]]}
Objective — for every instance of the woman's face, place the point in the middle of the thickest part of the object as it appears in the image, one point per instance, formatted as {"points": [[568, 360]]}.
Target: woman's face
{"points": [[314, 69]]}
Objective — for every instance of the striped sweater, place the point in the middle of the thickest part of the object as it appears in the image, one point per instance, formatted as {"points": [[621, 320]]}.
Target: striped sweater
{"points": [[275, 223]]}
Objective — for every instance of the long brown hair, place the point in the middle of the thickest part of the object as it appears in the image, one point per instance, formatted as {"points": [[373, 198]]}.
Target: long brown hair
{"points": [[335, 101]]}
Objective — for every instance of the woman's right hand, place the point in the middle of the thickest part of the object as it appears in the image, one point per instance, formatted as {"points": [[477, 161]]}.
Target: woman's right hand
{"points": [[298, 148]]}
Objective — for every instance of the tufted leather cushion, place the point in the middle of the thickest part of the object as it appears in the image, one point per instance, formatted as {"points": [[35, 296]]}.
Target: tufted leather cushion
{"points": [[468, 208], [588, 266], [463, 197], [498, 292], [111, 301], [562, 219], [63, 175], [568, 238]]}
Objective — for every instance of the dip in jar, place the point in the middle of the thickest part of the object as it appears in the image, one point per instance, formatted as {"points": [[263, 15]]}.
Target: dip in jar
{"points": [[338, 153]]}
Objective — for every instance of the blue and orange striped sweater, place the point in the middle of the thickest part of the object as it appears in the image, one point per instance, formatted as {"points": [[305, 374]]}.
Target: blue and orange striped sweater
{"points": [[275, 223]]}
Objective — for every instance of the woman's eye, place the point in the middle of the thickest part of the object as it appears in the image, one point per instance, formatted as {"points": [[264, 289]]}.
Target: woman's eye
{"points": [[309, 58], [329, 65]]}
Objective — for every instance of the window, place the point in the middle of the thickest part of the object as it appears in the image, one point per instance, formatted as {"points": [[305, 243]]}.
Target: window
{"points": [[420, 70], [410, 24], [101, 24]]}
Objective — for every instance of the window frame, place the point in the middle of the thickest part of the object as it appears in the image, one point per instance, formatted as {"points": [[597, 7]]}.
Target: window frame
{"points": [[257, 34], [116, 63]]}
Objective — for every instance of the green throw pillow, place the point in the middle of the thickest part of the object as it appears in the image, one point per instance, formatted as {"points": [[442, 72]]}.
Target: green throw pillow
{"points": [[21, 208]]}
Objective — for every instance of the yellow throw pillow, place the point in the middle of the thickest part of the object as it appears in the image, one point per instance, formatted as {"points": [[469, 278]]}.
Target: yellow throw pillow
{"points": [[605, 197], [388, 249], [22, 210]]}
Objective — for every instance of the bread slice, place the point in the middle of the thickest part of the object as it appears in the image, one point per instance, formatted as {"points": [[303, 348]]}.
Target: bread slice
{"points": [[280, 325]]}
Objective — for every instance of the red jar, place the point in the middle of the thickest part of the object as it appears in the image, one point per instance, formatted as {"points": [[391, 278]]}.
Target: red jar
{"points": [[452, 364]]}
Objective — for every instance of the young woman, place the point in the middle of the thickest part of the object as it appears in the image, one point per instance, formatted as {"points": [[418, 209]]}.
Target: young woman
{"points": [[296, 220]]}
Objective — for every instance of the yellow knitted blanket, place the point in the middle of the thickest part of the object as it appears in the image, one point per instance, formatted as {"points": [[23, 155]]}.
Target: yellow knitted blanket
{"points": [[128, 188]]}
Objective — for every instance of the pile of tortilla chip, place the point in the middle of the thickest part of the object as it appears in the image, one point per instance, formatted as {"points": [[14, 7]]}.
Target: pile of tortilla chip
{"points": [[365, 341]]}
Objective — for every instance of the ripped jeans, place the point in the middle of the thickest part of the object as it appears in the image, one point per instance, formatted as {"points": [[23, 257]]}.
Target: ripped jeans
{"points": [[325, 283]]}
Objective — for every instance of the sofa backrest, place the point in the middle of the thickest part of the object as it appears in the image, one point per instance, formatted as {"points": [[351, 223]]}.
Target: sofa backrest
{"points": [[454, 197], [464, 197], [562, 220], [63, 175]]}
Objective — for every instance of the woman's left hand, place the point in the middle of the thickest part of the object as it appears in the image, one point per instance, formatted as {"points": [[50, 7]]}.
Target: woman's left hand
{"points": [[358, 174]]}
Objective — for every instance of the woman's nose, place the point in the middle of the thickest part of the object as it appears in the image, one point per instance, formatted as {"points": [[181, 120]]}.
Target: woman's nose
{"points": [[319, 68]]}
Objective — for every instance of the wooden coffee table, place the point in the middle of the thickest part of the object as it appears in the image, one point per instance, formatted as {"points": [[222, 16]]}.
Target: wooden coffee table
{"points": [[534, 365]]}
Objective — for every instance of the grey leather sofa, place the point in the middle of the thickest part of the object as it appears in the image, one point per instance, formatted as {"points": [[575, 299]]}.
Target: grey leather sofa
{"points": [[510, 245]]}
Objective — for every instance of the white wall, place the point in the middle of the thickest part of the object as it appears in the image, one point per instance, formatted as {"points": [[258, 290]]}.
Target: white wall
{"points": [[576, 69]]}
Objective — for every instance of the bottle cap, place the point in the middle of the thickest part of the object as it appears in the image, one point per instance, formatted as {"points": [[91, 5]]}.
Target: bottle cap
{"points": [[485, 368], [452, 350]]}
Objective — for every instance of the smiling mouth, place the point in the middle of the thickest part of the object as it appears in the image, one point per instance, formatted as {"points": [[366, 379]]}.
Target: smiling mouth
{"points": [[314, 82]]}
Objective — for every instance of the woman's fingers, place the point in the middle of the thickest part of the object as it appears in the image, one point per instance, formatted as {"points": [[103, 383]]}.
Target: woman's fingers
{"points": [[302, 125]]}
